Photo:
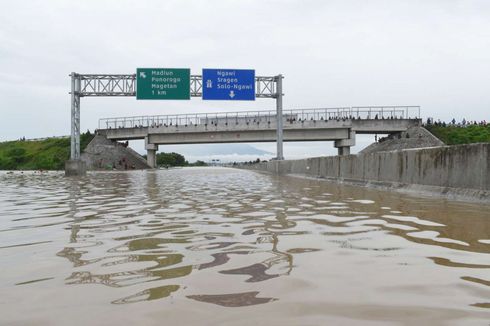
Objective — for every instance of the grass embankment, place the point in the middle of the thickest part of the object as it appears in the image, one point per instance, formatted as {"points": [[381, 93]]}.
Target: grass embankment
{"points": [[455, 135], [46, 154]]}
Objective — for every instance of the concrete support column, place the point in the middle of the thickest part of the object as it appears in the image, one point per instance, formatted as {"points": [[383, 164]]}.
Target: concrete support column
{"points": [[151, 158], [343, 150], [151, 153], [344, 145]]}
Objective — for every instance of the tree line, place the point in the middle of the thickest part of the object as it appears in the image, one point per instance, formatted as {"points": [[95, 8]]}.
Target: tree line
{"points": [[175, 159]]}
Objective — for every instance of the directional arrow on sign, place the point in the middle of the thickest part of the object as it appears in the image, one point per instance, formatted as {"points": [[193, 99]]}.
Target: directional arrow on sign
{"points": [[142, 74], [232, 94]]}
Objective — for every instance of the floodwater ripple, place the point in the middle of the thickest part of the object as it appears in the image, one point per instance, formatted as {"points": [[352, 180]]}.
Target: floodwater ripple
{"points": [[226, 238]]}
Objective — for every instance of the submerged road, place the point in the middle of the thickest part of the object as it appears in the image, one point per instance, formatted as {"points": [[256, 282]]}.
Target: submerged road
{"points": [[224, 246]]}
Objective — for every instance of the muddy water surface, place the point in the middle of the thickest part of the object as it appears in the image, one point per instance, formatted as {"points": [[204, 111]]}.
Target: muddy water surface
{"points": [[216, 246]]}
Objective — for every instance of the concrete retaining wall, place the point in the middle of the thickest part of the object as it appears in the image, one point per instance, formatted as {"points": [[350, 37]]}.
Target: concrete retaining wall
{"points": [[462, 170]]}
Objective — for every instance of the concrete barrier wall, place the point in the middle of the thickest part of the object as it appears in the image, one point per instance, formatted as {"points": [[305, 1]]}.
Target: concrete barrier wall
{"points": [[461, 166]]}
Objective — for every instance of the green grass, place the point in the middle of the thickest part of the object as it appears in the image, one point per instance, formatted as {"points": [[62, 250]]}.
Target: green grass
{"points": [[48, 154], [453, 135]]}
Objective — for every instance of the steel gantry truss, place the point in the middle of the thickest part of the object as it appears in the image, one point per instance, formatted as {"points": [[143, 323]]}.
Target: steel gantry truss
{"points": [[83, 85], [107, 85], [125, 85]]}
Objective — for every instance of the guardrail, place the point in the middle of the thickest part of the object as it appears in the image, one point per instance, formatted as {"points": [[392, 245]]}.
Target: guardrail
{"points": [[358, 112]]}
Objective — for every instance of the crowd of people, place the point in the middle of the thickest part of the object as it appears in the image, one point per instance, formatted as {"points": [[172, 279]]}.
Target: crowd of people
{"points": [[453, 122]]}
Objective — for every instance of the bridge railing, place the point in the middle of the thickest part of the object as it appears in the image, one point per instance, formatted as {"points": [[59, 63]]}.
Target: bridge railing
{"points": [[225, 118]]}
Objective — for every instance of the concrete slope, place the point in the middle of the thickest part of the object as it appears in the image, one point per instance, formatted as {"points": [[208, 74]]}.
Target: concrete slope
{"points": [[414, 137], [104, 154]]}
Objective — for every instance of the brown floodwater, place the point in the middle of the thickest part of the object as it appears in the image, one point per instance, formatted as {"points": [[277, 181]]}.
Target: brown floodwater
{"points": [[218, 246]]}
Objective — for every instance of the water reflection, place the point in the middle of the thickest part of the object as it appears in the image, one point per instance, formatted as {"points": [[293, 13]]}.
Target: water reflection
{"points": [[232, 300], [149, 294], [231, 237], [162, 227]]}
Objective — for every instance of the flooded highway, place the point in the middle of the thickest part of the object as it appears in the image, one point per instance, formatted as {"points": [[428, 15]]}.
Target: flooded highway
{"points": [[221, 246]]}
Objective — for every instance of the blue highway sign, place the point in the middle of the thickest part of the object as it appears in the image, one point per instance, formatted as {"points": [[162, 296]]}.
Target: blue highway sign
{"points": [[228, 84]]}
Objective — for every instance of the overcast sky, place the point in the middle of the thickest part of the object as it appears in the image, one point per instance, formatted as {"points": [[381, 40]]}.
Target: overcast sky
{"points": [[433, 53]]}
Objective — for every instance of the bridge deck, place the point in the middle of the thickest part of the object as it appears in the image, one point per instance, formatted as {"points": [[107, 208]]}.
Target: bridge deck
{"points": [[298, 125]]}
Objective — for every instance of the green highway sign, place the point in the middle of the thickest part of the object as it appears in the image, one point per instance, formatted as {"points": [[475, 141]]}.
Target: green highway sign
{"points": [[163, 84]]}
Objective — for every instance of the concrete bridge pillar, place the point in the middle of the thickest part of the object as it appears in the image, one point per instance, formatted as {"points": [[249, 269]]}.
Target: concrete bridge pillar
{"points": [[151, 153], [344, 145], [343, 150], [151, 158]]}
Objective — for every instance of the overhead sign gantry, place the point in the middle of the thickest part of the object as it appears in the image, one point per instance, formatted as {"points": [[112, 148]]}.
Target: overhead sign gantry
{"points": [[171, 84]]}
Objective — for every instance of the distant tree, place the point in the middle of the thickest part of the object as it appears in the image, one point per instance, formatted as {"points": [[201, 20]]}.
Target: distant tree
{"points": [[171, 159], [199, 163]]}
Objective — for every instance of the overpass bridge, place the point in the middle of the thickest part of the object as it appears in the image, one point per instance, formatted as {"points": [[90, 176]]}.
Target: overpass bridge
{"points": [[323, 124]]}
